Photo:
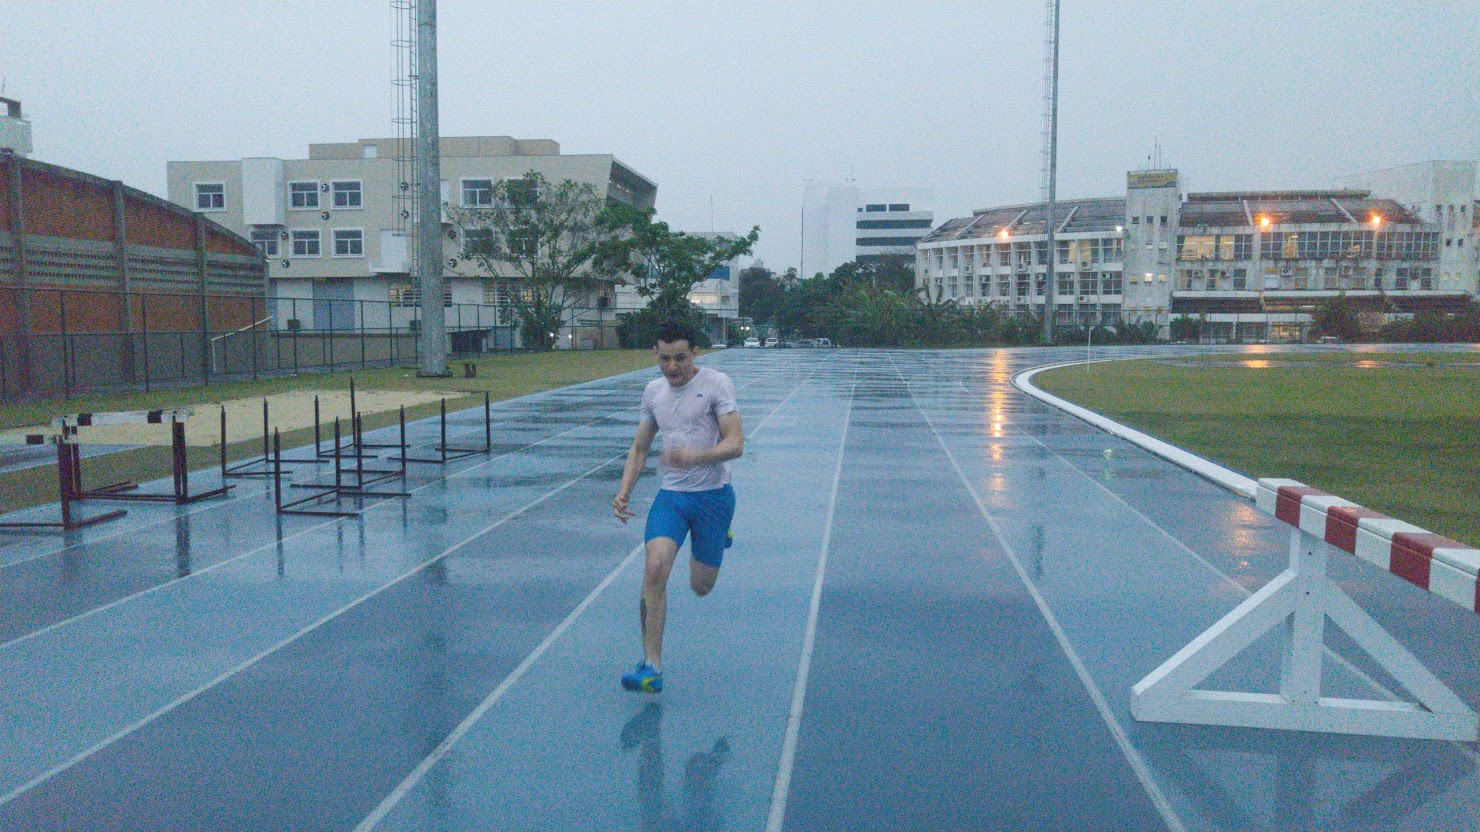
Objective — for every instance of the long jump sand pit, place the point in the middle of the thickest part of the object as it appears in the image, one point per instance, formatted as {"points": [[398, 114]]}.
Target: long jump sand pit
{"points": [[286, 412]]}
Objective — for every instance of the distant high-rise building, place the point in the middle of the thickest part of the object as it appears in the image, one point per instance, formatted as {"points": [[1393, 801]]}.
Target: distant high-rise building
{"points": [[843, 223]]}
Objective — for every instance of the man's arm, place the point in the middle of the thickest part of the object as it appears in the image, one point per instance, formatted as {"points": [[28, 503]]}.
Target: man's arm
{"points": [[637, 456], [730, 446]]}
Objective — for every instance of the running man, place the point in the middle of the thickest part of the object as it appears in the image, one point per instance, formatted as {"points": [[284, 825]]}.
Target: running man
{"points": [[695, 410]]}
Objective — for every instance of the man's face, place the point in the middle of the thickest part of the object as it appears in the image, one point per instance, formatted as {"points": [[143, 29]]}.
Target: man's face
{"points": [[676, 360]]}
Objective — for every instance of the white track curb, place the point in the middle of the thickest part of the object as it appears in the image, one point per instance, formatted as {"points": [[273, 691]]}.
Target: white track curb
{"points": [[1232, 480]]}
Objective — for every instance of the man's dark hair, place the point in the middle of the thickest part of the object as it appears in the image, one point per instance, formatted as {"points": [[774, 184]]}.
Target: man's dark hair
{"points": [[671, 332]]}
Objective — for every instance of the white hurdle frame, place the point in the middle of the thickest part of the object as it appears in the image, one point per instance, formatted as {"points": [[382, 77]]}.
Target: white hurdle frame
{"points": [[1301, 598]]}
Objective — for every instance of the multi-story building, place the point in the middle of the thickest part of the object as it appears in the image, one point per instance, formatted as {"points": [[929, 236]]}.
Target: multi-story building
{"points": [[1441, 193], [1252, 265], [843, 223], [335, 232]]}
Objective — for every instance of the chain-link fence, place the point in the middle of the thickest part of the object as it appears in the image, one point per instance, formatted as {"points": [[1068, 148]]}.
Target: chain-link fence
{"points": [[59, 342]]}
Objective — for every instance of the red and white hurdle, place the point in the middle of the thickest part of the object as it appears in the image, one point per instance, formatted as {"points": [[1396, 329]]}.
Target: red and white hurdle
{"points": [[1302, 598]]}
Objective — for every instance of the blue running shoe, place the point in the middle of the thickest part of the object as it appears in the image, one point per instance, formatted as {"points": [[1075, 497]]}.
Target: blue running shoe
{"points": [[645, 679]]}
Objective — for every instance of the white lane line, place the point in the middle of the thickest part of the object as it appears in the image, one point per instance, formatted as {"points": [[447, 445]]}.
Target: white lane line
{"points": [[782, 789], [321, 621], [452, 739], [1362, 675], [1132, 756], [83, 616], [445, 747]]}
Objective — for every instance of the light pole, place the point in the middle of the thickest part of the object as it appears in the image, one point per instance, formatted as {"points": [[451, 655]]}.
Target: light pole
{"points": [[1051, 287]]}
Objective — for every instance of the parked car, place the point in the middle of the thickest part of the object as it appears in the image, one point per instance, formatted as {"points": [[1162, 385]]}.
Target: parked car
{"points": [[824, 342], [752, 342], [806, 343], [772, 341]]}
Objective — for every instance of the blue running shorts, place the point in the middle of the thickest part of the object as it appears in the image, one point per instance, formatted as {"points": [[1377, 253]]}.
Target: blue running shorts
{"points": [[705, 513]]}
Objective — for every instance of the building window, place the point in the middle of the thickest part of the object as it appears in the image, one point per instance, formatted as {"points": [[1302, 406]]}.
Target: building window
{"points": [[346, 194], [892, 224], [876, 207], [1425, 279], [303, 196], [1240, 279], [349, 242], [1066, 284], [210, 196], [1110, 283], [266, 241], [1196, 247], [306, 243], [1400, 280], [407, 294], [1135, 220], [477, 193], [477, 242], [899, 206]]}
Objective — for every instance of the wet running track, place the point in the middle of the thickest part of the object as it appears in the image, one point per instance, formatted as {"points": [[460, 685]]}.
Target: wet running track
{"points": [[940, 594]]}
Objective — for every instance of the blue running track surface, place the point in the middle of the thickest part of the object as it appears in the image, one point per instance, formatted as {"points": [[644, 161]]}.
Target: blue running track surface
{"points": [[940, 594]]}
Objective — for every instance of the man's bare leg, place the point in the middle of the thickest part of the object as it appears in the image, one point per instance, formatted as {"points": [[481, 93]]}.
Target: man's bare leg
{"points": [[702, 577], [661, 552]]}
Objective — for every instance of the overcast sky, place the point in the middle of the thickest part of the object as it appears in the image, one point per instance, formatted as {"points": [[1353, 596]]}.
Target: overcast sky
{"points": [[735, 105]]}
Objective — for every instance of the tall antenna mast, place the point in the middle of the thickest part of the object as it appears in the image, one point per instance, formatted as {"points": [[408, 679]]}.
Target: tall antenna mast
{"points": [[1051, 154], [432, 336]]}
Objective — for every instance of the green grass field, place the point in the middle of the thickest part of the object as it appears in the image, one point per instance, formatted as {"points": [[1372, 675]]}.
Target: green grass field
{"points": [[1396, 432], [503, 377]]}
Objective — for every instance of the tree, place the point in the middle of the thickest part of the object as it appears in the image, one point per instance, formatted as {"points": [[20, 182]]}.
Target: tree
{"points": [[664, 265], [1337, 317], [546, 236], [761, 293], [1185, 328]]}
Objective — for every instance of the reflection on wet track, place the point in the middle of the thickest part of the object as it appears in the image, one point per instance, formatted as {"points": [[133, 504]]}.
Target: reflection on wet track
{"points": [[449, 660]]}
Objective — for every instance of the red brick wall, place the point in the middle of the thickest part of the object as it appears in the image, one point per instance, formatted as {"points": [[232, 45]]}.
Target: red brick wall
{"points": [[60, 206]]}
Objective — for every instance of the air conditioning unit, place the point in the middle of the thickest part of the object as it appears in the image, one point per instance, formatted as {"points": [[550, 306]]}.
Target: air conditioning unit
{"points": [[1286, 271]]}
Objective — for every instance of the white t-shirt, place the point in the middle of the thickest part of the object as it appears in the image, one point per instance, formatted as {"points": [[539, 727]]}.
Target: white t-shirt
{"points": [[688, 417]]}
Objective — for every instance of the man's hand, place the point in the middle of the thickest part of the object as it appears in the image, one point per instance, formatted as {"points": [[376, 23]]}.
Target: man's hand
{"points": [[619, 507], [681, 457]]}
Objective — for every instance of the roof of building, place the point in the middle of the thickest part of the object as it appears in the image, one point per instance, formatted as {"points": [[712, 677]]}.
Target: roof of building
{"points": [[1238, 208], [1289, 208], [1071, 216]]}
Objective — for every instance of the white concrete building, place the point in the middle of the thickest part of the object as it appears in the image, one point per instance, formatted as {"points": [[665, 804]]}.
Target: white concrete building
{"points": [[15, 131], [336, 240], [1253, 264], [1441, 193], [843, 223]]}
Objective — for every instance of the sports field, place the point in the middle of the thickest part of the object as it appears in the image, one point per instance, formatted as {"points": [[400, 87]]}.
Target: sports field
{"points": [[939, 598], [1395, 431]]}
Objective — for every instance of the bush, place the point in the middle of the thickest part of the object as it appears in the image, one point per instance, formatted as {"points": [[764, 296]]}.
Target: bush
{"points": [[1435, 327], [1186, 328], [1336, 317]]}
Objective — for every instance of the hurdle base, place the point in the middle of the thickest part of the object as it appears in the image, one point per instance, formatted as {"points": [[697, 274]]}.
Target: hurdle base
{"points": [[1301, 599], [65, 525]]}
